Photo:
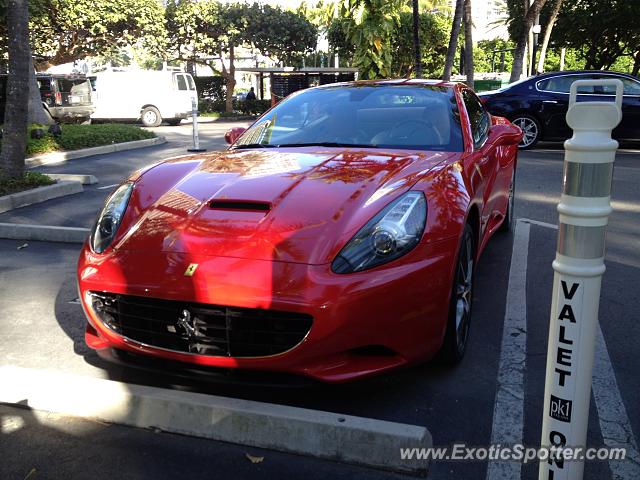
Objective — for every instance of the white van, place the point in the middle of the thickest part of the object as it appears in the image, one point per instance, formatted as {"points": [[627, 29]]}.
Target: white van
{"points": [[146, 95]]}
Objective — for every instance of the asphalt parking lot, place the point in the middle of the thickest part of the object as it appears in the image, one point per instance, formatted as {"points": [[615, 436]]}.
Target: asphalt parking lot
{"points": [[42, 327]]}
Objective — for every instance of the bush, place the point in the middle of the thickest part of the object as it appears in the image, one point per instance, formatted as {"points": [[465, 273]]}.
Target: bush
{"points": [[253, 107], [74, 137], [84, 136], [246, 107], [210, 88], [28, 181]]}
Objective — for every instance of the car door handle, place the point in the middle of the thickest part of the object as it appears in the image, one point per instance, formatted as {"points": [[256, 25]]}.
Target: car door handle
{"points": [[549, 101]]}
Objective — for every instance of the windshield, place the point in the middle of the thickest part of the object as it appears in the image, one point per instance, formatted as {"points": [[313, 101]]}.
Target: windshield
{"points": [[420, 117]]}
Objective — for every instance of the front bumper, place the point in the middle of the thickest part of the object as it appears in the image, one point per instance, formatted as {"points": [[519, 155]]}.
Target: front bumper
{"points": [[363, 323]]}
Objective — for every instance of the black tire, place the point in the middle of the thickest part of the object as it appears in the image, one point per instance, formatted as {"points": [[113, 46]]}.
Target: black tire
{"points": [[174, 122], [507, 223], [531, 128], [457, 334], [151, 117]]}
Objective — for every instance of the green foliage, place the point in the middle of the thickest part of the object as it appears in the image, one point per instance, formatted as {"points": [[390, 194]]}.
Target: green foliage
{"points": [[240, 107], [213, 28], [598, 34], [210, 88], [66, 30], [483, 55], [337, 37], [434, 40], [370, 29], [27, 182], [573, 60], [84, 136]]}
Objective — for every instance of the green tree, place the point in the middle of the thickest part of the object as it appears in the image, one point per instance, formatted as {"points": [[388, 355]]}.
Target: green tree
{"points": [[209, 29], [602, 31], [69, 30], [433, 39], [370, 26]]}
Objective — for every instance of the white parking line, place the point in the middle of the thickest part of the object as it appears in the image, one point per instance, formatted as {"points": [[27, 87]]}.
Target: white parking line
{"points": [[508, 418], [508, 413], [612, 415], [108, 186]]}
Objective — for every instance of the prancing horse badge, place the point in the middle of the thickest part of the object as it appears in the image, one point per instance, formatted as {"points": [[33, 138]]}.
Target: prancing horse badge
{"points": [[191, 269]]}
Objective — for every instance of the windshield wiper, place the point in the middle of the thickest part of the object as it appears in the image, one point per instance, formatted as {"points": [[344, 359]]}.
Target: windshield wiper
{"points": [[328, 144], [254, 145]]}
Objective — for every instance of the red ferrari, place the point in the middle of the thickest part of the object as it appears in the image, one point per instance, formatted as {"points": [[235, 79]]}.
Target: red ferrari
{"points": [[336, 238]]}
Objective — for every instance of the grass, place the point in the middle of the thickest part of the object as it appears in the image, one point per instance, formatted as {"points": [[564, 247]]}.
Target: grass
{"points": [[75, 137], [27, 182]]}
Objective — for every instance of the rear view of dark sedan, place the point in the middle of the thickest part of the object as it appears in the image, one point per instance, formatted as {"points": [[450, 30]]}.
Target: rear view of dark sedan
{"points": [[538, 105]]}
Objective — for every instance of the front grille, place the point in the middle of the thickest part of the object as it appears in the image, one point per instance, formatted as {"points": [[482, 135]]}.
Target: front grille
{"points": [[199, 328]]}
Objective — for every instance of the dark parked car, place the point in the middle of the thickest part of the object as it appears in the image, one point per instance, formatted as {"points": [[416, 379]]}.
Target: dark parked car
{"points": [[66, 98], [538, 104]]}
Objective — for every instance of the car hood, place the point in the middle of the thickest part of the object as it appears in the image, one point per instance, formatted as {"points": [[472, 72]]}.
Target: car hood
{"points": [[288, 205]]}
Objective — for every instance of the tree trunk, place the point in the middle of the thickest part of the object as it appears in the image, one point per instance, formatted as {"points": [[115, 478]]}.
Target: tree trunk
{"points": [[230, 78], [468, 43], [36, 112], [453, 40], [521, 44], [416, 39], [14, 139], [547, 34]]}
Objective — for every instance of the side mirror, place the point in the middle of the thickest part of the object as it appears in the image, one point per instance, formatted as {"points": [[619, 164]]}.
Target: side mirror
{"points": [[232, 135], [505, 134]]}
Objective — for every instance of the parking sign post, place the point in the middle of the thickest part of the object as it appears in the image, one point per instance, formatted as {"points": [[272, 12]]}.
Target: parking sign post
{"points": [[584, 212], [196, 139]]}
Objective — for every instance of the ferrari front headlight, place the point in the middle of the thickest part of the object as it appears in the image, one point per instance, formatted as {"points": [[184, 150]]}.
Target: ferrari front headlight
{"points": [[110, 217], [392, 233]]}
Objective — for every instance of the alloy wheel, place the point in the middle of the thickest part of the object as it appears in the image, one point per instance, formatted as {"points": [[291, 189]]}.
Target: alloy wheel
{"points": [[464, 291], [530, 129]]}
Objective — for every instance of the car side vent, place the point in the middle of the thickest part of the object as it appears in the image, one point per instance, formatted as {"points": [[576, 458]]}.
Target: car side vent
{"points": [[240, 205]]}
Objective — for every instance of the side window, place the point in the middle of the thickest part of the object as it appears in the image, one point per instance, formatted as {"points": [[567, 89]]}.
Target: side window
{"points": [[182, 83], [563, 84], [192, 84], [478, 118], [631, 87]]}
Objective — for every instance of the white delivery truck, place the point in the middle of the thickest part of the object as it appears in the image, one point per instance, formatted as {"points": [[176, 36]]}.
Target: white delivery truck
{"points": [[147, 95]]}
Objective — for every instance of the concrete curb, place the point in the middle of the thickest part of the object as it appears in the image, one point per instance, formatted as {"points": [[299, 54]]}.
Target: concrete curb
{"points": [[83, 179], [37, 195], [61, 157], [43, 233], [356, 440]]}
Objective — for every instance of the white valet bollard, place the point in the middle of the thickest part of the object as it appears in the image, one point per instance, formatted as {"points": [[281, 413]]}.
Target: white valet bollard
{"points": [[584, 211], [196, 138]]}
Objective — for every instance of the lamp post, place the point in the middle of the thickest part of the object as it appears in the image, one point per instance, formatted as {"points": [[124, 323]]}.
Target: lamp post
{"points": [[579, 265]]}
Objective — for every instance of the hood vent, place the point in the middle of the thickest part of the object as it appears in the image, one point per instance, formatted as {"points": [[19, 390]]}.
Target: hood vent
{"points": [[241, 205]]}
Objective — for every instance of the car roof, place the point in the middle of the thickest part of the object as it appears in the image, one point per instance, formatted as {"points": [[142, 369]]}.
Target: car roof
{"points": [[395, 82], [579, 72]]}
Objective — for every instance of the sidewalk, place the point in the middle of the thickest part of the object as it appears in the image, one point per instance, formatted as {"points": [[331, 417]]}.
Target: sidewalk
{"points": [[57, 447]]}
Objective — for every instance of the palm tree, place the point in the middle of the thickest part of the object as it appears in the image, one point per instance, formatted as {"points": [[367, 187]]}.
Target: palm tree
{"points": [[453, 40], [521, 44], [555, 11], [14, 139], [468, 42], [416, 38]]}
